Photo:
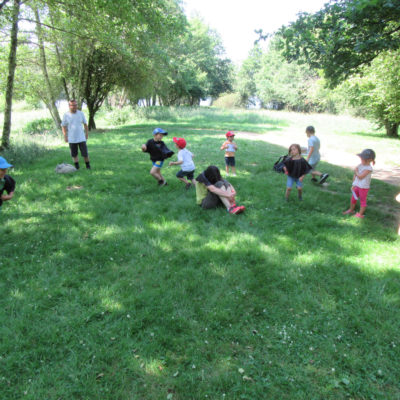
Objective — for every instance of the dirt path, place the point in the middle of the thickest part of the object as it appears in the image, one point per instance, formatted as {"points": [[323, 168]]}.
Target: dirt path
{"points": [[386, 173]]}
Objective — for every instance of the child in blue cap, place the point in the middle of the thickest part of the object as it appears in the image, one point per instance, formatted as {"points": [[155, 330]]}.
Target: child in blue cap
{"points": [[158, 153], [7, 184]]}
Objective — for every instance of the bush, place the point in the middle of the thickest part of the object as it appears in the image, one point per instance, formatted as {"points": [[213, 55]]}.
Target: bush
{"points": [[42, 126], [119, 116], [228, 100], [157, 113], [25, 150]]}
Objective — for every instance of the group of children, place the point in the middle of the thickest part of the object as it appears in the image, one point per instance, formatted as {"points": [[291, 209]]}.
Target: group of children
{"points": [[295, 166]]}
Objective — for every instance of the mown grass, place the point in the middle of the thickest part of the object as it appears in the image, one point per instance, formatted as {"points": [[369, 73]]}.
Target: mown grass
{"points": [[119, 289]]}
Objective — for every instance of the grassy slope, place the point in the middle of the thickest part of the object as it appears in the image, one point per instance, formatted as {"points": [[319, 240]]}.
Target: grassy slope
{"points": [[123, 290]]}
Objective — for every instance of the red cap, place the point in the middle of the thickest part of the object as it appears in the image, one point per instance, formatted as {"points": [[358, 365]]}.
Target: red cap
{"points": [[180, 142], [229, 134]]}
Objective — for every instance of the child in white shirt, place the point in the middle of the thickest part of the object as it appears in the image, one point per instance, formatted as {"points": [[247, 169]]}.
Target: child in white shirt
{"points": [[361, 183], [185, 159]]}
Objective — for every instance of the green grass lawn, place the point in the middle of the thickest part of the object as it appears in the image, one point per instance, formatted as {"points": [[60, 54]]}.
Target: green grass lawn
{"points": [[120, 289]]}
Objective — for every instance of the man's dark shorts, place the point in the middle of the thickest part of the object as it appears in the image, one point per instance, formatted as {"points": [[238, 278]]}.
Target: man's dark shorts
{"points": [[212, 200], [82, 148], [230, 161], [188, 174]]}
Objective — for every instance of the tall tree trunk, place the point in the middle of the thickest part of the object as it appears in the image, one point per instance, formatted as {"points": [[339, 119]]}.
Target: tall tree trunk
{"points": [[60, 61], [92, 112], [43, 65], [12, 63], [392, 129]]}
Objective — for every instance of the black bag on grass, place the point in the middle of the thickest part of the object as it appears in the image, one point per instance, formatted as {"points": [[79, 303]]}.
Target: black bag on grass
{"points": [[278, 166]]}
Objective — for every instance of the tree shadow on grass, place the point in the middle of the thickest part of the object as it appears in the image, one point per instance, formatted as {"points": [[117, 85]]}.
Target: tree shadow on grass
{"points": [[120, 285]]}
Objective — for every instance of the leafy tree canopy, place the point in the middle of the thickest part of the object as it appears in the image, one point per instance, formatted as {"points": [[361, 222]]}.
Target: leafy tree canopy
{"points": [[343, 36]]}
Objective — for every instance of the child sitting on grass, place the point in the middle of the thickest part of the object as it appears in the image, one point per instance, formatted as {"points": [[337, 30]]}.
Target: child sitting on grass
{"points": [[230, 148], [7, 184], [158, 153], [212, 191], [185, 159], [295, 168], [361, 183]]}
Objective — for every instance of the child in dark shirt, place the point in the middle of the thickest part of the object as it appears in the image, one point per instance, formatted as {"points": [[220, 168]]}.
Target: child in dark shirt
{"points": [[158, 153], [295, 168], [7, 184]]}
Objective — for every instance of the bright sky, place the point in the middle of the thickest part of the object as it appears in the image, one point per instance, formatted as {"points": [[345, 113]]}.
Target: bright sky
{"points": [[236, 20]]}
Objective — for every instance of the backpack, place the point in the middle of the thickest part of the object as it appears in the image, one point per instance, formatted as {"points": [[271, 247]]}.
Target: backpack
{"points": [[278, 166]]}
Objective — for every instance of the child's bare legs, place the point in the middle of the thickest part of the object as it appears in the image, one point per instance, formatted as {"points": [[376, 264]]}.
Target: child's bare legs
{"points": [[225, 200], [287, 194], [300, 193], [227, 169], [362, 210], [184, 180], [233, 169], [155, 172], [353, 203]]}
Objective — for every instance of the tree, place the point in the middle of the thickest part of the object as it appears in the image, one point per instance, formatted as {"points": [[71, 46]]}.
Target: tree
{"points": [[245, 83], [377, 90], [12, 62], [278, 81], [343, 36]]}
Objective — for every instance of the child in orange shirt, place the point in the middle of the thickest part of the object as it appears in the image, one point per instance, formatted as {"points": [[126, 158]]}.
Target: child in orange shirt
{"points": [[230, 148]]}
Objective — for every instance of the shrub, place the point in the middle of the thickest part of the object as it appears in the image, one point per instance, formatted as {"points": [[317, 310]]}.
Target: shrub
{"points": [[42, 126], [119, 116], [228, 100]]}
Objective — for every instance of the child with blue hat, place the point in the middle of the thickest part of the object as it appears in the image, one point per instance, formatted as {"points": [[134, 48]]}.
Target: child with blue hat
{"points": [[7, 184], [158, 153]]}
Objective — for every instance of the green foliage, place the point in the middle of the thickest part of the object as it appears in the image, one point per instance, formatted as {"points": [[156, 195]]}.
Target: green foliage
{"points": [[343, 36], [119, 116], [42, 126], [25, 150], [376, 91], [114, 288], [228, 101]]}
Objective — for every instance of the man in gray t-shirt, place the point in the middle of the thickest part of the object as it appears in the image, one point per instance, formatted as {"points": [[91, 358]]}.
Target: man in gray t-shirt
{"points": [[313, 155], [76, 133]]}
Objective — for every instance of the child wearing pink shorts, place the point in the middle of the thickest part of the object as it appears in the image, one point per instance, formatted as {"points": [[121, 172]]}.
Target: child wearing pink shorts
{"points": [[361, 183]]}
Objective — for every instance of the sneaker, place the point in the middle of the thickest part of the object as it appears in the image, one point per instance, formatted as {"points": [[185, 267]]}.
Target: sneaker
{"points": [[314, 180], [236, 209], [233, 174], [347, 212], [162, 183], [324, 177], [358, 215]]}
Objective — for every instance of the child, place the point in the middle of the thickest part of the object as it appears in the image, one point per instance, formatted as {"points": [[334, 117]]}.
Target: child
{"points": [[185, 159], [212, 191], [158, 153], [361, 183], [7, 184], [295, 168], [230, 148], [313, 155]]}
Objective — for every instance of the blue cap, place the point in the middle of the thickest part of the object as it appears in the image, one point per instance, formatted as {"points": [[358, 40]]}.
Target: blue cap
{"points": [[367, 154], [4, 164], [159, 130]]}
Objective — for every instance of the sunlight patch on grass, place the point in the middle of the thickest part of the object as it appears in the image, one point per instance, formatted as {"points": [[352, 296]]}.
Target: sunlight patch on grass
{"points": [[17, 294], [110, 304], [154, 367]]}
